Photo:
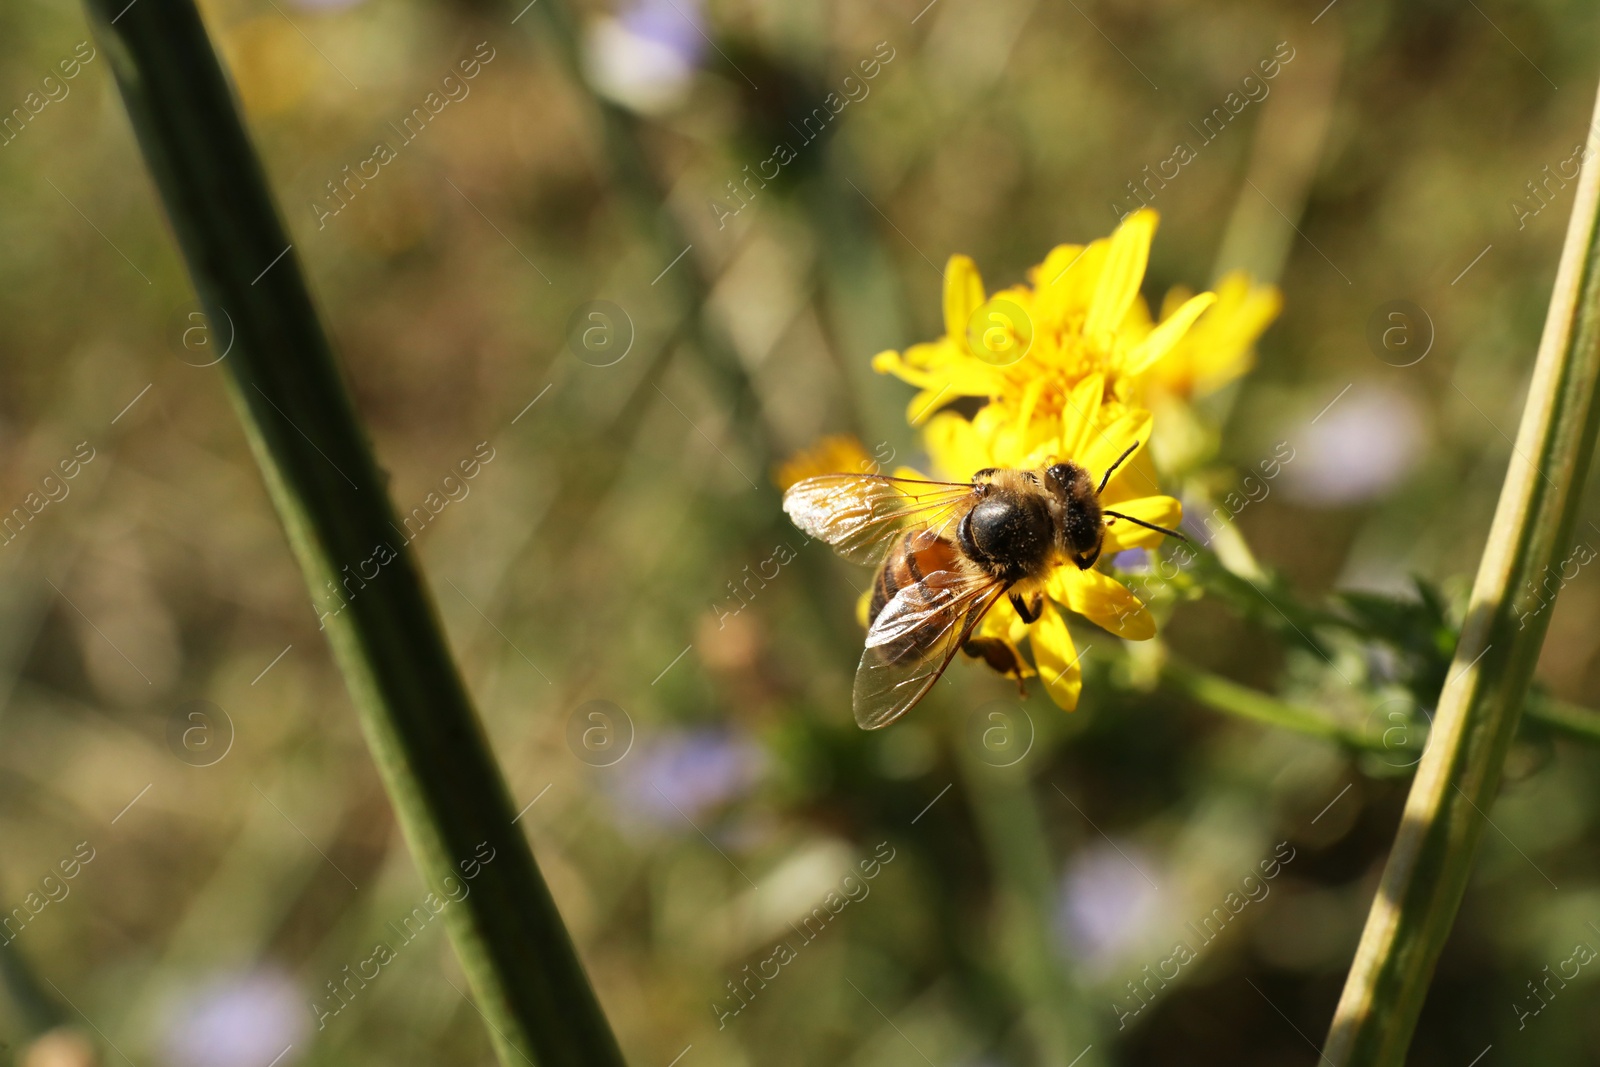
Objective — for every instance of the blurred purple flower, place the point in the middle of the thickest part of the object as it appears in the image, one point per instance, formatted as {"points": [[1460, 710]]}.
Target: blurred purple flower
{"points": [[1132, 560], [237, 1020], [1107, 904], [676, 24], [646, 56], [1356, 449], [684, 773]]}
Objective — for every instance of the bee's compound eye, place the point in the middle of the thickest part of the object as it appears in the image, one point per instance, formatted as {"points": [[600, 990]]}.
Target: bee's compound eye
{"points": [[1060, 473]]}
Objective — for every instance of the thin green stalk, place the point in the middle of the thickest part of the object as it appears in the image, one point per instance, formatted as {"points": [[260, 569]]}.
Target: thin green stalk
{"points": [[425, 738], [1570, 719], [1231, 698], [1478, 708]]}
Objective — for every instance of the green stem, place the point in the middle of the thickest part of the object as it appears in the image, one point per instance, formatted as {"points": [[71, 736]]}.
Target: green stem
{"points": [[425, 738], [1231, 698], [1478, 708], [1570, 719]]}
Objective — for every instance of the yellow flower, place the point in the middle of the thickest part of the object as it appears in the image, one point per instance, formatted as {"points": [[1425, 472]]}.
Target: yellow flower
{"points": [[839, 454], [1027, 347], [1220, 346], [1064, 364]]}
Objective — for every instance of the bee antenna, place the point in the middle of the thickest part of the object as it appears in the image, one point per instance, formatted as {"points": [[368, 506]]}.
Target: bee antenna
{"points": [[1146, 525], [1113, 469]]}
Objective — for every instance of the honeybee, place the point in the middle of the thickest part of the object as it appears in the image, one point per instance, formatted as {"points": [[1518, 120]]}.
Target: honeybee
{"points": [[946, 553]]}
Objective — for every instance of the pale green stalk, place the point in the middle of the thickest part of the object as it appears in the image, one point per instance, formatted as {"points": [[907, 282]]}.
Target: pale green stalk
{"points": [[1230, 698], [1242, 702], [1478, 709]]}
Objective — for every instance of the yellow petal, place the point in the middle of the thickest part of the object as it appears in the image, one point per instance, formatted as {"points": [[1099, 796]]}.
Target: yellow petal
{"points": [[1081, 414], [270, 65], [1019, 437], [925, 403], [894, 363], [1044, 452], [1164, 337], [1000, 621], [1219, 347], [1007, 444], [955, 446], [1030, 400], [1136, 324], [1225, 349], [1122, 274], [1003, 624], [929, 402], [1178, 294], [1060, 259], [1064, 285], [1001, 331], [1018, 630], [930, 361], [1105, 445], [963, 294], [1161, 510], [1136, 478], [942, 384], [1104, 601], [1056, 658], [863, 606], [839, 454]]}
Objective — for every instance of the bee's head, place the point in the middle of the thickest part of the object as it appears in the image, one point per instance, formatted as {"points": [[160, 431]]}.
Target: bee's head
{"points": [[1081, 521], [1063, 476]]}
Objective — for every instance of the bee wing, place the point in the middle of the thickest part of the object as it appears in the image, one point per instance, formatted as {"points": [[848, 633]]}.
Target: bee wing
{"points": [[913, 640], [860, 514]]}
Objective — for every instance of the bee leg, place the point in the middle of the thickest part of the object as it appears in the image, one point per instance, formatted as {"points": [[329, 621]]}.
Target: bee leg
{"points": [[1087, 560], [1028, 610], [995, 653]]}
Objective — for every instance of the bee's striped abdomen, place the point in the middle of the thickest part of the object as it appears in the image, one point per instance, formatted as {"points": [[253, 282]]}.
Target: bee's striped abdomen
{"points": [[910, 561]]}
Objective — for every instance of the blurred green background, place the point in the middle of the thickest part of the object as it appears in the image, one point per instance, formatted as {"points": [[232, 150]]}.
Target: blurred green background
{"points": [[605, 551]]}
